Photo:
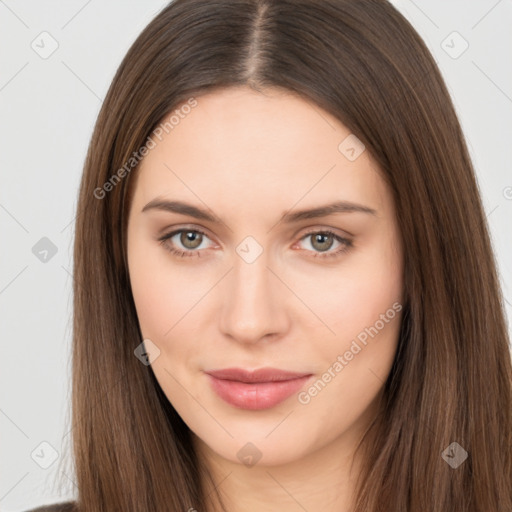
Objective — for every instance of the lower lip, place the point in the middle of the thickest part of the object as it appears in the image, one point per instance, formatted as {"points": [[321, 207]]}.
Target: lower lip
{"points": [[261, 395]]}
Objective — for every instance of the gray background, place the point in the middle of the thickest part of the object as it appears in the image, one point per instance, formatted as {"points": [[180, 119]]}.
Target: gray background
{"points": [[48, 108]]}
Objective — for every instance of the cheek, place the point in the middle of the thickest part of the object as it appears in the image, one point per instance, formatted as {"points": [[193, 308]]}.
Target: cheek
{"points": [[356, 365], [161, 292], [354, 296], [366, 321], [169, 299], [149, 295]]}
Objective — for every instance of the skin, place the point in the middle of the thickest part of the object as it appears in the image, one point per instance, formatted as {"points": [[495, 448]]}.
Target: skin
{"points": [[248, 158]]}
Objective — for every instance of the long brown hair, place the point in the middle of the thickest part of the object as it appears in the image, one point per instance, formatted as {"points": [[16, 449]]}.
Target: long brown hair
{"points": [[451, 380]]}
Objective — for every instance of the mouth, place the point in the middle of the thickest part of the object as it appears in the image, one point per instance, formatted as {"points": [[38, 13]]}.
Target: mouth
{"points": [[258, 389]]}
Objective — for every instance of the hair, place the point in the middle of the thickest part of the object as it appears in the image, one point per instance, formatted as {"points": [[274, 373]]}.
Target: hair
{"points": [[451, 379]]}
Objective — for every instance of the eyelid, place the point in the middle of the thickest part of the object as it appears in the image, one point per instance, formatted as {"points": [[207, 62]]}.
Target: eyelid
{"points": [[321, 229], [173, 230]]}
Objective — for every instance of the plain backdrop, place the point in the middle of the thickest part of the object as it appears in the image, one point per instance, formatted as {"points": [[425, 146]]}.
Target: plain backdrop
{"points": [[49, 104]]}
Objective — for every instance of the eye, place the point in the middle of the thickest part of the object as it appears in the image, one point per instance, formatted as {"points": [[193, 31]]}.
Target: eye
{"points": [[190, 239], [324, 240]]}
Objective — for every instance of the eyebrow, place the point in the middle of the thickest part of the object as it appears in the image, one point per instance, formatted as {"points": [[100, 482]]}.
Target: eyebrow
{"points": [[287, 217]]}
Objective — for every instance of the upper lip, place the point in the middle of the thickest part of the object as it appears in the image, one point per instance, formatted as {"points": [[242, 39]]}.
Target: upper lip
{"points": [[258, 375]]}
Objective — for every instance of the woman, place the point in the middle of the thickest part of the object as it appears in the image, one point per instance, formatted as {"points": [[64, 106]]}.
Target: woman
{"points": [[285, 293]]}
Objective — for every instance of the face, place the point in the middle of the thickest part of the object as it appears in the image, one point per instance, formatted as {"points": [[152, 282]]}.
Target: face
{"points": [[226, 274]]}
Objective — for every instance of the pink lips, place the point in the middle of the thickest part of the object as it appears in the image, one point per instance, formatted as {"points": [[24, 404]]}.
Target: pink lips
{"points": [[258, 389]]}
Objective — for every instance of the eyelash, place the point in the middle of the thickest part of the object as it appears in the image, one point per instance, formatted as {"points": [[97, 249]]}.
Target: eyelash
{"points": [[182, 254]]}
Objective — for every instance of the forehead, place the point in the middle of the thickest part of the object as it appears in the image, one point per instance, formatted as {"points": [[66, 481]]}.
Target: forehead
{"points": [[246, 147]]}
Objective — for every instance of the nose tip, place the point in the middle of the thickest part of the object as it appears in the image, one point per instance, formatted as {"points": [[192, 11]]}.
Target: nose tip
{"points": [[253, 310]]}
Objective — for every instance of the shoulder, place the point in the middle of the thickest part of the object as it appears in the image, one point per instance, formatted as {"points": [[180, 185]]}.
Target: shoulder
{"points": [[67, 506]]}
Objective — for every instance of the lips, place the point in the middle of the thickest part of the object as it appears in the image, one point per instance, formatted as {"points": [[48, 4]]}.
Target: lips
{"points": [[256, 389], [254, 376]]}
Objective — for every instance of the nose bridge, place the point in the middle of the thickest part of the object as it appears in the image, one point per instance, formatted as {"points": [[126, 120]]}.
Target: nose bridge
{"points": [[252, 308]]}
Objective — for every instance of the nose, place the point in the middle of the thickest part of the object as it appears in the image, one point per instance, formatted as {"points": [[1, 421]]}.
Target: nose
{"points": [[254, 306]]}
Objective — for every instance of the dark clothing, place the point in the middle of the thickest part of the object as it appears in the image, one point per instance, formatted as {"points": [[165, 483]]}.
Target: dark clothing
{"points": [[67, 506]]}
